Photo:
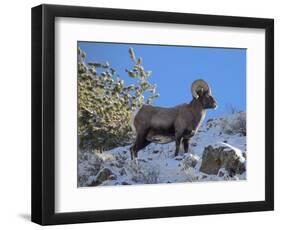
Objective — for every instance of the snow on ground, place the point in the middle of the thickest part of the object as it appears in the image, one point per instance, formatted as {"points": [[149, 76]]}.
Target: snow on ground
{"points": [[157, 163]]}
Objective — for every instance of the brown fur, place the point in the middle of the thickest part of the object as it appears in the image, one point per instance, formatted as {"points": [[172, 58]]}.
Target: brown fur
{"points": [[163, 125]]}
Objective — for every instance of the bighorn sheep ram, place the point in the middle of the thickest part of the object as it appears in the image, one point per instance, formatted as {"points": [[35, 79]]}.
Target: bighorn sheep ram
{"points": [[179, 123]]}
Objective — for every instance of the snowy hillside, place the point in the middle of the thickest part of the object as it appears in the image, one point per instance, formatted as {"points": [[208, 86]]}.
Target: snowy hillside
{"points": [[220, 143]]}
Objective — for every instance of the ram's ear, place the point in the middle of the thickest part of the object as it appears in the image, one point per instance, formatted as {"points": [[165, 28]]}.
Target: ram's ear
{"points": [[200, 92]]}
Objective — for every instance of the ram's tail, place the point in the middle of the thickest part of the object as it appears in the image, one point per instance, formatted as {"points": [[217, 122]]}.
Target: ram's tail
{"points": [[133, 115]]}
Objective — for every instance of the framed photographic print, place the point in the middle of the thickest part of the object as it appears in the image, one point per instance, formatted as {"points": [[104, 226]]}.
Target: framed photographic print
{"points": [[143, 114]]}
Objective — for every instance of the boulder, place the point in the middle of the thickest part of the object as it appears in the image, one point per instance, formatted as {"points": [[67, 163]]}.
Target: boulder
{"points": [[103, 175], [125, 183], [178, 158], [222, 156], [190, 161]]}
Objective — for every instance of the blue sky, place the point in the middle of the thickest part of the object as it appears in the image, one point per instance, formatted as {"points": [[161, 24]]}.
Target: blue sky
{"points": [[174, 68]]}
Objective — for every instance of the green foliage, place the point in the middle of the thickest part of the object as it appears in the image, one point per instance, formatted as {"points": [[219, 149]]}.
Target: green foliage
{"points": [[105, 102]]}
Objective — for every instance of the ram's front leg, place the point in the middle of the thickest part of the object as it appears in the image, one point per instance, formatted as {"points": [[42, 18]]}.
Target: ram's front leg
{"points": [[139, 144], [185, 145], [186, 139]]}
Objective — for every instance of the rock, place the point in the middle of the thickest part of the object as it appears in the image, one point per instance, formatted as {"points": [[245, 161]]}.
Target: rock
{"points": [[123, 172], [155, 151], [119, 164], [178, 158], [190, 161], [142, 160], [222, 172], [125, 183], [222, 156], [103, 175], [112, 177]]}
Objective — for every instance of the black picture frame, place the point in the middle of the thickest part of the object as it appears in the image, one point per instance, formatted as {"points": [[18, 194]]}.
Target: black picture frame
{"points": [[43, 114]]}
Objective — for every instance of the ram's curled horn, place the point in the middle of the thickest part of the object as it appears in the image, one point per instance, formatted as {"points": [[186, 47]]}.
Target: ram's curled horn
{"points": [[197, 85]]}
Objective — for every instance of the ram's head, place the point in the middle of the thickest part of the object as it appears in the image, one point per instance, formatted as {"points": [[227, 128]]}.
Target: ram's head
{"points": [[201, 91]]}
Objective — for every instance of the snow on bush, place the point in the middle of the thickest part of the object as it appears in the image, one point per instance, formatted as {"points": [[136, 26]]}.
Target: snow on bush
{"points": [[143, 173], [235, 124]]}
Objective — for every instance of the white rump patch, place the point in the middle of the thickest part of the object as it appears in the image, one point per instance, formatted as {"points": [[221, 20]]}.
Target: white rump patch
{"points": [[133, 115]]}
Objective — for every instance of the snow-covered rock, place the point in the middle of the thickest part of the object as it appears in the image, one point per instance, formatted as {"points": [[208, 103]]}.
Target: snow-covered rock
{"points": [[214, 142], [222, 156], [190, 160], [103, 175]]}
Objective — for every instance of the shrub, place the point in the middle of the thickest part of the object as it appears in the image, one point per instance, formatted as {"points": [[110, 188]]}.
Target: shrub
{"points": [[144, 173], [236, 124], [89, 164], [105, 102]]}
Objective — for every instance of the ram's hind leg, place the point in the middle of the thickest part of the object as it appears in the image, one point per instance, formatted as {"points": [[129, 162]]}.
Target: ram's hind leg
{"points": [[178, 138], [178, 143]]}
